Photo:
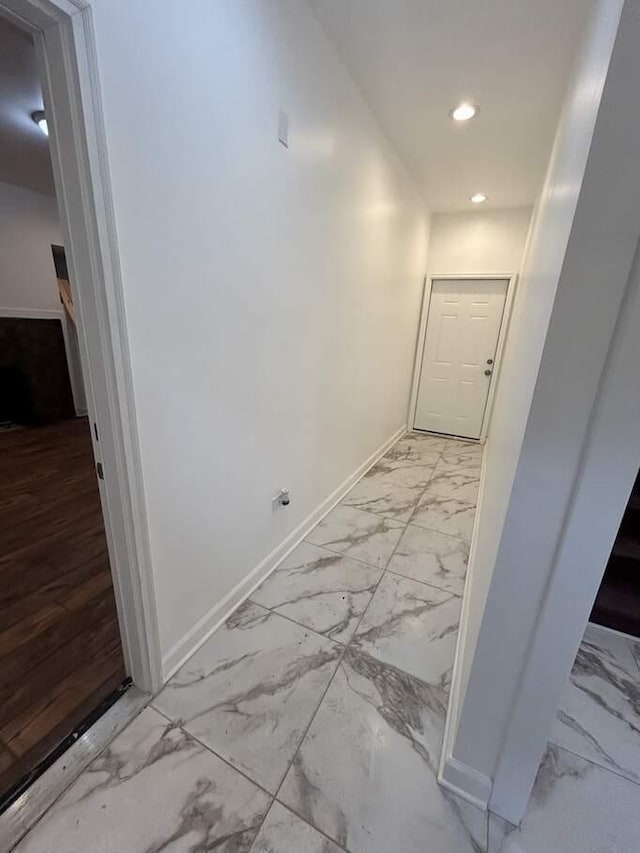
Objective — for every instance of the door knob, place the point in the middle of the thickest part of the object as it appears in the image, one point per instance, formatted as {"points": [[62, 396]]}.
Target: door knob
{"points": [[489, 361], [487, 373]]}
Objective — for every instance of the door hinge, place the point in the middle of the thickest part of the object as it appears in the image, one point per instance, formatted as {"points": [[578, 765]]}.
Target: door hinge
{"points": [[95, 431], [100, 470]]}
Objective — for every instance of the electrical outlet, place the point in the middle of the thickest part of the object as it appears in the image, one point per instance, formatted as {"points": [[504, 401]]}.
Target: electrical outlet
{"points": [[282, 498]]}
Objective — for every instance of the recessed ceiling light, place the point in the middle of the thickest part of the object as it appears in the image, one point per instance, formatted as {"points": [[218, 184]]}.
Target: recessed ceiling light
{"points": [[41, 121], [477, 198], [463, 112]]}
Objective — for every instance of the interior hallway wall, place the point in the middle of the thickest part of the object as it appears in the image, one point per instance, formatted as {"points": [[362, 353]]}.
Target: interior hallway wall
{"points": [[272, 294], [29, 224], [563, 311], [478, 241]]}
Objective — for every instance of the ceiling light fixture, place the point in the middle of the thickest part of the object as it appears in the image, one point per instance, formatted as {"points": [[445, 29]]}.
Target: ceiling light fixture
{"points": [[41, 121], [463, 112], [477, 198]]}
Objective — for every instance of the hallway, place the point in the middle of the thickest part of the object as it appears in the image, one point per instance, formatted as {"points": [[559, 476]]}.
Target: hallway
{"points": [[311, 721], [327, 689]]}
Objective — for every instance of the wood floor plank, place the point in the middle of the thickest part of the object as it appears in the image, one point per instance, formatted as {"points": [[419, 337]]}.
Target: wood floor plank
{"points": [[60, 649]]}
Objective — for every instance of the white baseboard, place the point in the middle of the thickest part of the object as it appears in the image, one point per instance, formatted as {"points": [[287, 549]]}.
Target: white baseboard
{"points": [[32, 313], [464, 781], [202, 630]]}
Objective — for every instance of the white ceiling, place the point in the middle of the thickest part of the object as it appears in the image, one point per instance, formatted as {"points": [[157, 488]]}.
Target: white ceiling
{"points": [[24, 150], [416, 59]]}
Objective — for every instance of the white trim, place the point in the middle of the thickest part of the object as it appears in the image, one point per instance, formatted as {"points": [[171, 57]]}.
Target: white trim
{"points": [[419, 351], [512, 280], [32, 313], [466, 782], [502, 342], [74, 366], [202, 630], [65, 45]]}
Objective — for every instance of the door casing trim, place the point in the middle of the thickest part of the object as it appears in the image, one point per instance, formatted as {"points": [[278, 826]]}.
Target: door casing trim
{"points": [[67, 59]]}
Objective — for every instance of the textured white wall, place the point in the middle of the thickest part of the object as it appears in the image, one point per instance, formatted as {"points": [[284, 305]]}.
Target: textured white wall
{"points": [[482, 241], [29, 224], [272, 294]]}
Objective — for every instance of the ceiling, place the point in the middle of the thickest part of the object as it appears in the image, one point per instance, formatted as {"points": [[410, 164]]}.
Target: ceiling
{"points": [[24, 150], [416, 59]]}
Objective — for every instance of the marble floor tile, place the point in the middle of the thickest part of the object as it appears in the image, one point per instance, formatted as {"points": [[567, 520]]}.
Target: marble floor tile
{"points": [[418, 449], [634, 645], [455, 481], [431, 557], [413, 627], [320, 589], [383, 497], [410, 475], [358, 534], [445, 515], [575, 807], [251, 690], [154, 789], [463, 456], [284, 832], [599, 712], [365, 773]]}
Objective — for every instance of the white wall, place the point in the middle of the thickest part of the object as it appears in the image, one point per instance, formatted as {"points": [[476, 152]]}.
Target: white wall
{"points": [[272, 294], [478, 241], [572, 283], [29, 224]]}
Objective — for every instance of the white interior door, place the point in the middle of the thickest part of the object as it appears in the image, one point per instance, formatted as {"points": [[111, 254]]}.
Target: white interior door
{"points": [[459, 353]]}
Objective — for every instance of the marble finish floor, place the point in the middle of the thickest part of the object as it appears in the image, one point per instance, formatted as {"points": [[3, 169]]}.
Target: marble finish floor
{"points": [[311, 721], [599, 714], [587, 794]]}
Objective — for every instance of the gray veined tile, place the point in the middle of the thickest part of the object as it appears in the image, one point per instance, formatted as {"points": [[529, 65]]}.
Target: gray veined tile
{"points": [[410, 475], [455, 481], [251, 690], [599, 712], [575, 807], [365, 773], [358, 534], [412, 627], [383, 497], [463, 455], [634, 645], [320, 589], [431, 557], [284, 832], [154, 789], [416, 449], [445, 515]]}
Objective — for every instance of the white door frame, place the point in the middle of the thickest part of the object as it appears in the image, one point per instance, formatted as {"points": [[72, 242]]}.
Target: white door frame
{"points": [[511, 279], [65, 44]]}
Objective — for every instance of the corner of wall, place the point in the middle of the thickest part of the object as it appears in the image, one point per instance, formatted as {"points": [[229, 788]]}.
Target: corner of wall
{"points": [[190, 642]]}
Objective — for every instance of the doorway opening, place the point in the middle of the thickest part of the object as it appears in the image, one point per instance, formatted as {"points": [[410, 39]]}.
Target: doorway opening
{"points": [[61, 654], [617, 605]]}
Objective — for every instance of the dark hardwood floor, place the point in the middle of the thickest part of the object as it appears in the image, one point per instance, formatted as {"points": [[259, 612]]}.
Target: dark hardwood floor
{"points": [[60, 651]]}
